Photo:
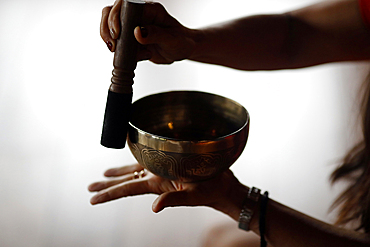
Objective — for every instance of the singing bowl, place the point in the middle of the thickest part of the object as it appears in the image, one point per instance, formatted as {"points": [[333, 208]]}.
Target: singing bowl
{"points": [[187, 136]]}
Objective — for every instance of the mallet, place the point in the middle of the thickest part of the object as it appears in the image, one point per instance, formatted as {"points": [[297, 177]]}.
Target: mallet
{"points": [[117, 111]]}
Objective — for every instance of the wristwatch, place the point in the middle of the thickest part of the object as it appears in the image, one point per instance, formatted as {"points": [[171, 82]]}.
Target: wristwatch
{"points": [[248, 208]]}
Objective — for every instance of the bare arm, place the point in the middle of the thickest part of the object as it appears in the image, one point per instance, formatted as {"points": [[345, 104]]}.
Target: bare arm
{"points": [[326, 32], [288, 227], [331, 31], [284, 226]]}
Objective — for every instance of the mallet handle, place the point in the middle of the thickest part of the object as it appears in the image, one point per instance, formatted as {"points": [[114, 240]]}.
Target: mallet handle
{"points": [[117, 111]]}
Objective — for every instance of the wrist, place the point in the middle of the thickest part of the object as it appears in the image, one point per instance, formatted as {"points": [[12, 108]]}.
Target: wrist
{"points": [[249, 207], [233, 201], [198, 37]]}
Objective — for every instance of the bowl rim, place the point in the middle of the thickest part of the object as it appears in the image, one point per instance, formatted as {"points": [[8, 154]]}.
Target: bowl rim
{"points": [[192, 91], [194, 143]]}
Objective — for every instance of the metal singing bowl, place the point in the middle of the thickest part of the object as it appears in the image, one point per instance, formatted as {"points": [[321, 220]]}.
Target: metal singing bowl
{"points": [[187, 135]]}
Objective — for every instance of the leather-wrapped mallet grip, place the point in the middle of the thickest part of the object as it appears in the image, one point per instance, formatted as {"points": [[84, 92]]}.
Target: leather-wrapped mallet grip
{"points": [[117, 111]]}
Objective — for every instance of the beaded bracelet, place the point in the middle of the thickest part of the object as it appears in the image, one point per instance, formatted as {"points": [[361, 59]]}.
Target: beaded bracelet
{"points": [[262, 220], [248, 210]]}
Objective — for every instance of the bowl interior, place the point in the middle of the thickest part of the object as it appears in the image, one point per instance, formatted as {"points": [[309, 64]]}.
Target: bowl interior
{"points": [[188, 116]]}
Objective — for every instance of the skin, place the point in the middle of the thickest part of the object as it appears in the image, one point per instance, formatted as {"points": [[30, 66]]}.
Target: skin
{"points": [[332, 31], [326, 32]]}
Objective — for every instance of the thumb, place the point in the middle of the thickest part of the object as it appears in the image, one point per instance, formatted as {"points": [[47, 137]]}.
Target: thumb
{"points": [[172, 199], [152, 35]]}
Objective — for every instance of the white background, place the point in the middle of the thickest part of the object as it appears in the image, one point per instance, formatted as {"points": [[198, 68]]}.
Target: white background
{"points": [[54, 76]]}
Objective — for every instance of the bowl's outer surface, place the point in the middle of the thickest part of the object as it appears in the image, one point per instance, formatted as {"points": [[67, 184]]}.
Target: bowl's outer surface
{"points": [[221, 126]]}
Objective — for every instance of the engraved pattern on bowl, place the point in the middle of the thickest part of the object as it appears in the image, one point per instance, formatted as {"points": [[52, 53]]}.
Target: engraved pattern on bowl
{"points": [[187, 135]]}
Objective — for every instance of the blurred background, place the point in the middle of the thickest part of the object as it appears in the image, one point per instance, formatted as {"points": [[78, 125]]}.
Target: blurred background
{"points": [[54, 75]]}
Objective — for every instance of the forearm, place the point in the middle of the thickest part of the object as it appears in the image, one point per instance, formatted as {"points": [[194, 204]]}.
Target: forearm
{"points": [[287, 227], [321, 33], [250, 43], [290, 228]]}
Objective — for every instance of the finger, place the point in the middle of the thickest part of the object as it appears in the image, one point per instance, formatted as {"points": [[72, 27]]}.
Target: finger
{"points": [[98, 186], [123, 170], [172, 199], [130, 188], [143, 54], [151, 34], [154, 38], [114, 24], [104, 29]]}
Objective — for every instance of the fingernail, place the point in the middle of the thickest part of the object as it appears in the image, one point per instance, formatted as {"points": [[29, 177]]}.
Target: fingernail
{"points": [[110, 45], [154, 207], [144, 32], [110, 172], [98, 198], [94, 187], [112, 33]]}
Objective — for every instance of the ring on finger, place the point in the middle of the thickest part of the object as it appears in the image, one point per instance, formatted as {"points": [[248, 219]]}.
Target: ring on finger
{"points": [[139, 174]]}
